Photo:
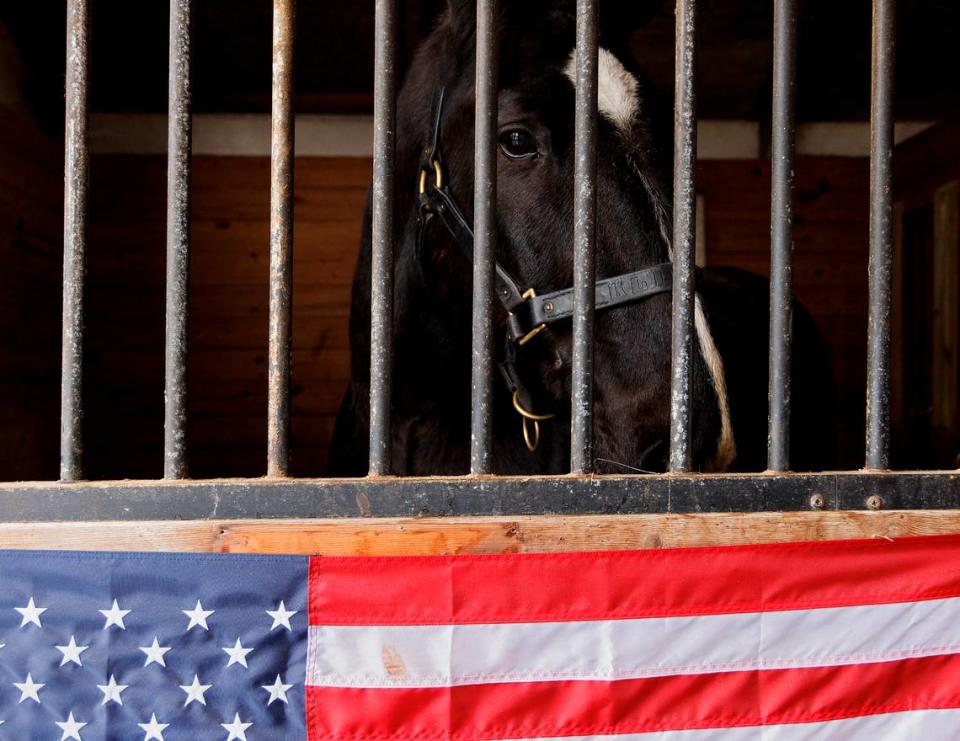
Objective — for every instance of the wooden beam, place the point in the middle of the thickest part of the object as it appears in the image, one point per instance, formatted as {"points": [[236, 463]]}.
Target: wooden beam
{"points": [[442, 536]]}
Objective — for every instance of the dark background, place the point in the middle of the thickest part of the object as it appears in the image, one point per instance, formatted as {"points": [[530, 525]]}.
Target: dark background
{"points": [[232, 47]]}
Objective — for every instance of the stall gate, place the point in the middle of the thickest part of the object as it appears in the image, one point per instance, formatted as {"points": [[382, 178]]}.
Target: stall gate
{"points": [[381, 513]]}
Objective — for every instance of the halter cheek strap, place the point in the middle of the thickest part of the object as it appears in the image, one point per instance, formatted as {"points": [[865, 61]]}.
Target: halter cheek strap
{"points": [[527, 312]]}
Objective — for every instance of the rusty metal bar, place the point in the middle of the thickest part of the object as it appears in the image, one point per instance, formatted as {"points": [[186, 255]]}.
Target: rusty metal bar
{"points": [[881, 235], [485, 231], [684, 235], [281, 239], [584, 237], [783, 147], [75, 178], [179, 135], [381, 287]]}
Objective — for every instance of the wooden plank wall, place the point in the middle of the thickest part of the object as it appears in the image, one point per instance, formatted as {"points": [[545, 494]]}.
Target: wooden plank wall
{"points": [[31, 235], [830, 258], [228, 334], [229, 312]]}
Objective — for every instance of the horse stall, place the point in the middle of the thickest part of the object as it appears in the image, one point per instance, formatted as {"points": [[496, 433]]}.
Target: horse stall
{"points": [[178, 278]]}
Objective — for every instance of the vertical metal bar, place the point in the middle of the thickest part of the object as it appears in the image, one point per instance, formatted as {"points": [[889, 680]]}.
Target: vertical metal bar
{"points": [[684, 235], [76, 171], [781, 232], [881, 236], [381, 288], [485, 231], [584, 238], [281, 238], [179, 133]]}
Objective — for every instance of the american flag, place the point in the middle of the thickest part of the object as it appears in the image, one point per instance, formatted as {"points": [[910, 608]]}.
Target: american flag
{"points": [[837, 640], [152, 646]]}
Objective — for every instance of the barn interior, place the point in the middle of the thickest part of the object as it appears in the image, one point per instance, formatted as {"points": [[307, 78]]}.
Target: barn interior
{"points": [[227, 368]]}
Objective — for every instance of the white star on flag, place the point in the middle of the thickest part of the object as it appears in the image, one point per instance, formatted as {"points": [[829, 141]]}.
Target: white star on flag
{"points": [[237, 654], [155, 653], [111, 691], [71, 652], [153, 729], [281, 616], [195, 691], [236, 729], [28, 689], [71, 728], [198, 616], [114, 616], [31, 613], [277, 690]]}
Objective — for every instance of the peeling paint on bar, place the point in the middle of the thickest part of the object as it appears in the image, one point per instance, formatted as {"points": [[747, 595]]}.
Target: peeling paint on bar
{"points": [[485, 230], [881, 235], [178, 243], [584, 237], [281, 239], [75, 180], [684, 236], [781, 232], [381, 287]]}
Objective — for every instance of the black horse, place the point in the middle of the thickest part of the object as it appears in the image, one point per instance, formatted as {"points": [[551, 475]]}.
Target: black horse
{"points": [[431, 313]]}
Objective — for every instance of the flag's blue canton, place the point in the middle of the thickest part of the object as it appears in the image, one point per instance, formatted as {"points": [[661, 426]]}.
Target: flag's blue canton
{"points": [[64, 646]]}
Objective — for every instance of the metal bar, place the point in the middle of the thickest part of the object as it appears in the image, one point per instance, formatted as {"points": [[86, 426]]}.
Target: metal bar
{"points": [[781, 231], [881, 235], [481, 496], [179, 134], [584, 238], [281, 239], [381, 288], [485, 231], [75, 177], [684, 236]]}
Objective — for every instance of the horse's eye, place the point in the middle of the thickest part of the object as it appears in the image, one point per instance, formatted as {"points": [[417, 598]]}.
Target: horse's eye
{"points": [[518, 144]]}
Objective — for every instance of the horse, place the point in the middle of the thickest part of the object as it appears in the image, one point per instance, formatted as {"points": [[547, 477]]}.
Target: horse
{"points": [[431, 313]]}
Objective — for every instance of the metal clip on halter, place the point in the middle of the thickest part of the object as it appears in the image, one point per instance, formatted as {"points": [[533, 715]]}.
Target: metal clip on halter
{"points": [[438, 173]]}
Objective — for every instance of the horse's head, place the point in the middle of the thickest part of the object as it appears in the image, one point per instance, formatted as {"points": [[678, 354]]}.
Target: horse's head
{"points": [[535, 211]]}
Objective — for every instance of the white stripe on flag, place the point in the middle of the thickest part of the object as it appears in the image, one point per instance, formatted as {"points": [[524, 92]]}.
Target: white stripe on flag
{"points": [[915, 725], [444, 655]]}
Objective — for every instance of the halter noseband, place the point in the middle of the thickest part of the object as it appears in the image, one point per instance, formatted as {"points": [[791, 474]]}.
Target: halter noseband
{"points": [[528, 313]]}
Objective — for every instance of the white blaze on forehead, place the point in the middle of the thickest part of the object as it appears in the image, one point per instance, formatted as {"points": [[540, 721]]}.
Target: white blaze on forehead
{"points": [[617, 97]]}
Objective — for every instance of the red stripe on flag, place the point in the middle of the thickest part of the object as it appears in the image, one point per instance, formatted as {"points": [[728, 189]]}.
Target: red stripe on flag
{"points": [[630, 584], [546, 709]]}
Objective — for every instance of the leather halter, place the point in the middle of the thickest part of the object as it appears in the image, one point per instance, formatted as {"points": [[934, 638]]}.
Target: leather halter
{"points": [[527, 312]]}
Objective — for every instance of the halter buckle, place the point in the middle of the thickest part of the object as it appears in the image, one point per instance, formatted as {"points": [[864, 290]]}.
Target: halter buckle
{"points": [[528, 294]]}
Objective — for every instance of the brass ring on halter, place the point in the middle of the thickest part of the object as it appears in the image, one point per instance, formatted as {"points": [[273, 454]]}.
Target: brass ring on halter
{"points": [[438, 174], [526, 413], [531, 446]]}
